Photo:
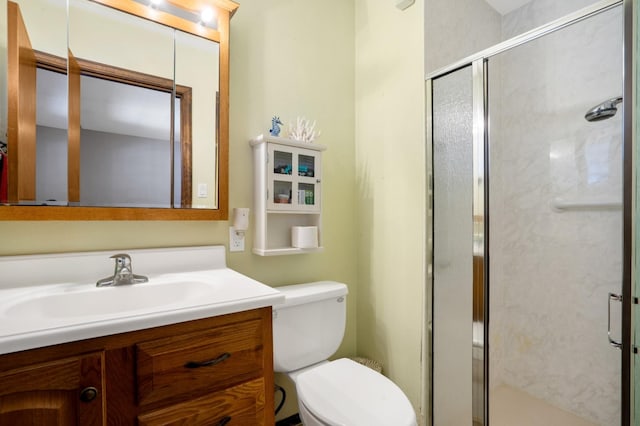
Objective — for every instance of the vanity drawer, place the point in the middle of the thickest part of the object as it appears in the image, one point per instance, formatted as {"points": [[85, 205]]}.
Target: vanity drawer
{"points": [[241, 405], [208, 359]]}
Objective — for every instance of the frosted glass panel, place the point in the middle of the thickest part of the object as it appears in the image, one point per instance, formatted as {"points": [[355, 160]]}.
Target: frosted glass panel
{"points": [[453, 248]]}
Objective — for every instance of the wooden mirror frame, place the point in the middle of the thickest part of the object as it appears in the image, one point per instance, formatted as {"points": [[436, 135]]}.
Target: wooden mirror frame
{"points": [[224, 11]]}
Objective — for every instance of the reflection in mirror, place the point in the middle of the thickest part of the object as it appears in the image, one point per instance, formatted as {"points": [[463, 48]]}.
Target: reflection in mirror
{"points": [[194, 55], [124, 165], [136, 150], [24, 83], [51, 136], [126, 81]]}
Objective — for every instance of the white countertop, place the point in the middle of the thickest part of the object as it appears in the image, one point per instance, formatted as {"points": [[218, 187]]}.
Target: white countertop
{"points": [[34, 316]]}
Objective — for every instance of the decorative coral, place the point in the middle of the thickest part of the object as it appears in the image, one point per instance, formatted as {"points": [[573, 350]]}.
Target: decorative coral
{"points": [[304, 130]]}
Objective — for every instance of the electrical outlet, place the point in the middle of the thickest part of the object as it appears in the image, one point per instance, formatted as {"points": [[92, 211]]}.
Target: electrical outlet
{"points": [[236, 240]]}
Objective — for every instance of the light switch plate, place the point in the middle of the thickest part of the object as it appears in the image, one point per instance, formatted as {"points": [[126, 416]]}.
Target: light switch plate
{"points": [[236, 241], [202, 190]]}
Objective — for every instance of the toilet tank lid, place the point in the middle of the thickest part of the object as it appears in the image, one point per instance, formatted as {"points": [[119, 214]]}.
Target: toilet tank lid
{"points": [[298, 294]]}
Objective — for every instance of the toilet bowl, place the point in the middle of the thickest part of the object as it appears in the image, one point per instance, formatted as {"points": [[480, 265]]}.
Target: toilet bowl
{"points": [[307, 329]]}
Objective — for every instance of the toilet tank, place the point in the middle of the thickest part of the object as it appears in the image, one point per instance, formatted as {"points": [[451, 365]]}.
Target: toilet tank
{"points": [[309, 326]]}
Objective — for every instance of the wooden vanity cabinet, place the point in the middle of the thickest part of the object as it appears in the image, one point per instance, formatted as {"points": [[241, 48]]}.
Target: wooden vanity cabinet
{"points": [[214, 371], [62, 392]]}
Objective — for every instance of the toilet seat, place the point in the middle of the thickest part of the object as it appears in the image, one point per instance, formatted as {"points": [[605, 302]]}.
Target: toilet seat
{"points": [[343, 392]]}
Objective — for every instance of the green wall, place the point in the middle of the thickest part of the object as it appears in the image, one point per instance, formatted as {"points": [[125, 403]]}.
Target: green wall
{"points": [[390, 177]]}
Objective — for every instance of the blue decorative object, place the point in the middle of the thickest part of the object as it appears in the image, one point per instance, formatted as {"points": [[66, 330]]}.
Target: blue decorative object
{"points": [[275, 126]]}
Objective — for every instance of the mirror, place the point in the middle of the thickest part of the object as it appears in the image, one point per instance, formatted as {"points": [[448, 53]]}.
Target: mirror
{"points": [[125, 67], [20, 122], [131, 114]]}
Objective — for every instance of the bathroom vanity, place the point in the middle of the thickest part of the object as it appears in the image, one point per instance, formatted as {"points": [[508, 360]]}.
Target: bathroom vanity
{"points": [[207, 371], [193, 360]]}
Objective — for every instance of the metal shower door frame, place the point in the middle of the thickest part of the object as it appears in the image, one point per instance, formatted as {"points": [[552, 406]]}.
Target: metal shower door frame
{"points": [[479, 63]]}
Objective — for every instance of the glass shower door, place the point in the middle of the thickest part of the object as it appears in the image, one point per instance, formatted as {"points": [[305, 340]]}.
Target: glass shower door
{"points": [[556, 227]]}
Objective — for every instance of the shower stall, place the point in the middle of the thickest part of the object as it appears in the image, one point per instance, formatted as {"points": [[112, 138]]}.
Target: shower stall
{"points": [[529, 150]]}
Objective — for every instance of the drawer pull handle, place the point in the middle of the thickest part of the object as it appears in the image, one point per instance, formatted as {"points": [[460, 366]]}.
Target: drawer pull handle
{"points": [[223, 421], [211, 362]]}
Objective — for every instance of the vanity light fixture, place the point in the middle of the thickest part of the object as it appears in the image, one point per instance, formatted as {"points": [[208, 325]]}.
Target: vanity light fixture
{"points": [[206, 15], [199, 17]]}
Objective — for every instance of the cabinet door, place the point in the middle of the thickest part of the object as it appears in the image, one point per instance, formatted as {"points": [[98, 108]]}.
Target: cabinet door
{"points": [[280, 166], [293, 179], [308, 180], [59, 393]]}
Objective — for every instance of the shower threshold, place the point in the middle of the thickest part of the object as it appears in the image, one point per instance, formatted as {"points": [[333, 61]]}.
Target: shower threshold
{"points": [[510, 406]]}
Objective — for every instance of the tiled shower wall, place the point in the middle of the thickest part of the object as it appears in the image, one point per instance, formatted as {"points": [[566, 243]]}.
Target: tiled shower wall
{"points": [[551, 271]]}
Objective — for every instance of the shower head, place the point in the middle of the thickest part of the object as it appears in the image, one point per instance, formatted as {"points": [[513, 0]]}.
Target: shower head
{"points": [[606, 109]]}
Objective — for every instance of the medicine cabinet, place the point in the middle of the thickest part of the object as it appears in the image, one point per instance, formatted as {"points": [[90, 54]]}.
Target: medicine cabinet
{"points": [[129, 94], [287, 194]]}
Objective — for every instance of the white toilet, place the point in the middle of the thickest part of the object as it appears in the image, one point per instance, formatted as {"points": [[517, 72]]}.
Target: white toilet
{"points": [[307, 329]]}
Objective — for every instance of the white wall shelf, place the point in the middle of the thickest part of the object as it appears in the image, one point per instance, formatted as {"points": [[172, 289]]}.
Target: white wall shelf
{"points": [[287, 193], [285, 251]]}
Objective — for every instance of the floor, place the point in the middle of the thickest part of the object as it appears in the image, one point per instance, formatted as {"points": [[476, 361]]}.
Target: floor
{"points": [[290, 421], [510, 406]]}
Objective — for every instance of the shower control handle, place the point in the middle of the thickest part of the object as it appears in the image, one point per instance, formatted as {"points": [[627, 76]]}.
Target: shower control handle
{"points": [[616, 298]]}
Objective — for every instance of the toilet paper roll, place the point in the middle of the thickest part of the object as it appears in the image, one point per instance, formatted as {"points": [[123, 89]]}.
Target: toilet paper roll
{"points": [[304, 236]]}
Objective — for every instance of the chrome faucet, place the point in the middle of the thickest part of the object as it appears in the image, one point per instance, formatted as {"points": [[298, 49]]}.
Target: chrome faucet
{"points": [[123, 274]]}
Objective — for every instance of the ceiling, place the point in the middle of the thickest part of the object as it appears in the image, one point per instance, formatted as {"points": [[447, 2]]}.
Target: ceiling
{"points": [[505, 6]]}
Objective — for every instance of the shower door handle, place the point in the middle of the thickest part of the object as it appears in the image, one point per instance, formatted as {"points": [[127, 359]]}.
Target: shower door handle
{"points": [[616, 298]]}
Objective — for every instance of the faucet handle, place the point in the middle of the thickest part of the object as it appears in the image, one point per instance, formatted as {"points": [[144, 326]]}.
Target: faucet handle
{"points": [[123, 273], [122, 259], [123, 264]]}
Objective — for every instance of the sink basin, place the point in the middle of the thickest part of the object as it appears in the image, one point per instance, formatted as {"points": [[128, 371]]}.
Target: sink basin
{"points": [[89, 301], [51, 299]]}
